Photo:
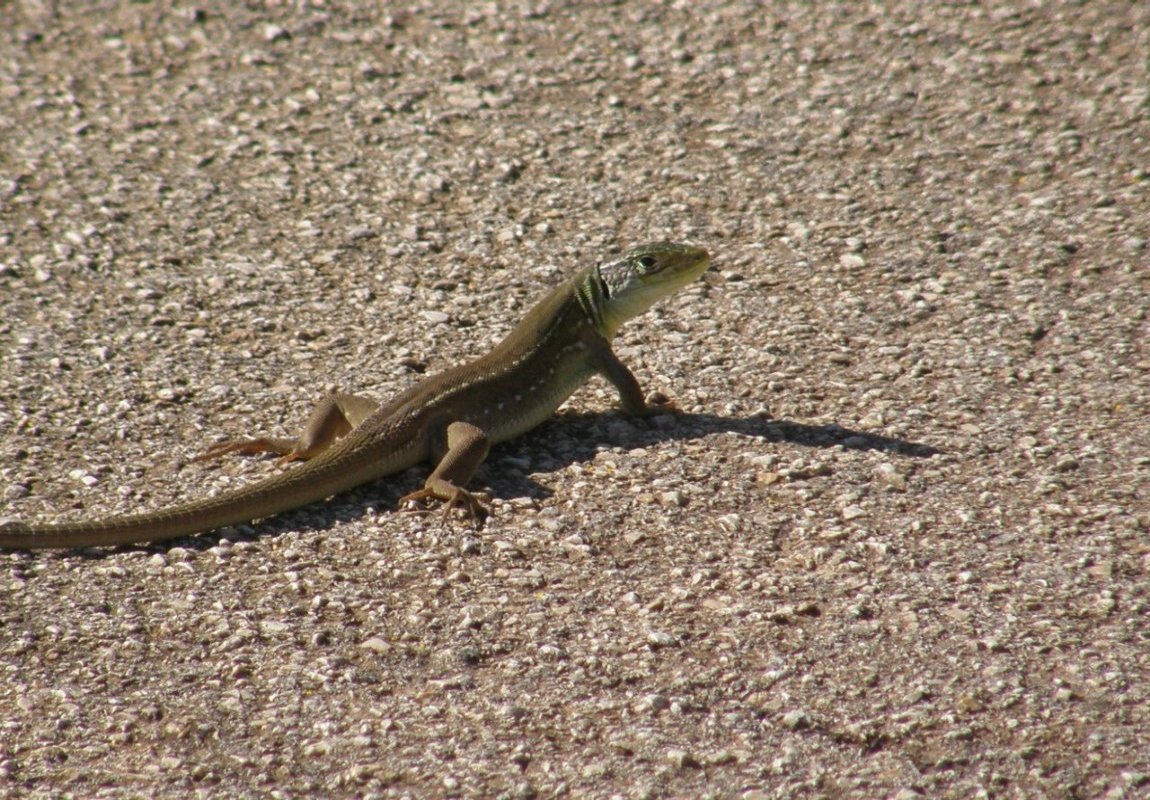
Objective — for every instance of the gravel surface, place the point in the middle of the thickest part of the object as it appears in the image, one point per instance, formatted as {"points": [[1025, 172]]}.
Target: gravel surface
{"points": [[896, 545]]}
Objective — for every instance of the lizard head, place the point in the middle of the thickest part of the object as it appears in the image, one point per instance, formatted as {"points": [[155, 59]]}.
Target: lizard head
{"points": [[644, 275]]}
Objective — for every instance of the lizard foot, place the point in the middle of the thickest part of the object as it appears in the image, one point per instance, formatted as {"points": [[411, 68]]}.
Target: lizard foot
{"points": [[252, 447], [471, 503], [658, 403]]}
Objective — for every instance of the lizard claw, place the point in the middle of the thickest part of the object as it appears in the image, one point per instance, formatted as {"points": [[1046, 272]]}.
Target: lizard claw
{"points": [[471, 503]]}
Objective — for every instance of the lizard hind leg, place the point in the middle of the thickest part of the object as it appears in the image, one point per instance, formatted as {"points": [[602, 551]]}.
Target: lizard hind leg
{"points": [[463, 450], [333, 417]]}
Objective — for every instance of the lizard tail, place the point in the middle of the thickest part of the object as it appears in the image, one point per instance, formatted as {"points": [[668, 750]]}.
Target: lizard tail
{"points": [[310, 483]]}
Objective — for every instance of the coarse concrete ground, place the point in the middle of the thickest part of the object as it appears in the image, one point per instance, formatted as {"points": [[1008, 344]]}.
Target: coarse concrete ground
{"points": [[896, 545]]}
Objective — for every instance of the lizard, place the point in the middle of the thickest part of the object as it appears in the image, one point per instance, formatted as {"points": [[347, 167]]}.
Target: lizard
{"points": [[451, 418]]}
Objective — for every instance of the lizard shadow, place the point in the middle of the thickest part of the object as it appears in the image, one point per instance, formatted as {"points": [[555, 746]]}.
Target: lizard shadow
{"points": [[566, 439], [577, 437]]}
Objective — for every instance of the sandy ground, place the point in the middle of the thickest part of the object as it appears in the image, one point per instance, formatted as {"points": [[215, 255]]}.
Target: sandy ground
{"points": [[896, 545]]}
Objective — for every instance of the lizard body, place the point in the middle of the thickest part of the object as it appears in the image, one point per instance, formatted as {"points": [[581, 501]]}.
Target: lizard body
{"points": [[451, 418]]}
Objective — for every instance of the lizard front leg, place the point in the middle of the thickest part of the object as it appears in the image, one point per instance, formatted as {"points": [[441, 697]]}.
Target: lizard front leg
{"points": [[607, 364], [333, 417], [461, 449]]}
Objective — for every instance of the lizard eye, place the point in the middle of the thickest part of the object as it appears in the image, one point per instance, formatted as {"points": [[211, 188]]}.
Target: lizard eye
{"points": [[647, 262]]}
